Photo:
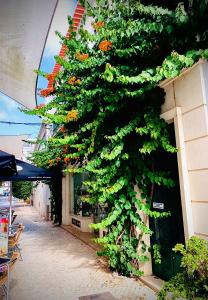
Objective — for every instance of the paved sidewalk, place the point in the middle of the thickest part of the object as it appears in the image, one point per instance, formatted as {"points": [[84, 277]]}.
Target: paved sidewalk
{"points": [[58, 266]]}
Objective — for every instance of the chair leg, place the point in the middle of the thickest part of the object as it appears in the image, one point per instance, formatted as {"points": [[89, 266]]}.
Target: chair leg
{"points": [[4, 288]]}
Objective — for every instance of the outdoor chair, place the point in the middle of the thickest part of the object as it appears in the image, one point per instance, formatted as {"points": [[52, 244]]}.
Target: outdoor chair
{"points": [[13, 258], [13, 243], [4, 272], [14, 215], [4, 281], [15, 227]]}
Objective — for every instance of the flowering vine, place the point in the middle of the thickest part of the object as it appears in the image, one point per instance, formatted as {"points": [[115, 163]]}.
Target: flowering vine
{"points": [[81, 56], [47, 92], [107, 98], [98, 25], [105, 45]]}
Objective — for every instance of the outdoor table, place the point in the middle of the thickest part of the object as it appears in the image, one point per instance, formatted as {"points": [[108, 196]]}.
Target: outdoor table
{"points": [[4, 261]]}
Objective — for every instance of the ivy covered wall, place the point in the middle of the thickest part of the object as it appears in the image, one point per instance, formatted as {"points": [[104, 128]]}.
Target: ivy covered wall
{"points": [[108, 107]]}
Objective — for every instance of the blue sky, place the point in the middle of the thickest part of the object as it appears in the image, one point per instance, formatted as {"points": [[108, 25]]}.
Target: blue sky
{"points": [[9, 109]]}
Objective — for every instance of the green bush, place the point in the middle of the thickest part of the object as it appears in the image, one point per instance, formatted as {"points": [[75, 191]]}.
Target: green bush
{"points": [[22, 189], [192, 282]]}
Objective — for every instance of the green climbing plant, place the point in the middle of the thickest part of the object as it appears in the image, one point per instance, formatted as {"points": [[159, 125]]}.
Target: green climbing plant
{"points": [[107, 105], [192, 281]]}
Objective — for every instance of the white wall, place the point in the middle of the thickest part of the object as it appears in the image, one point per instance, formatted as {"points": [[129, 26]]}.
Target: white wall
{"points": [[41, 201], [13, 144], [41, 193], [189, 92]]}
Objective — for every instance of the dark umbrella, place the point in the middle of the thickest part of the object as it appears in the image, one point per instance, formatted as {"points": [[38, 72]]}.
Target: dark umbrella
{"points": [[7, 164], [28, 172], [12, 169]]}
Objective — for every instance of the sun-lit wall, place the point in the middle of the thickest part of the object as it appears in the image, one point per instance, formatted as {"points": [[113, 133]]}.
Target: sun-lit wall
{"points": [[13, 144], [189, 92]]}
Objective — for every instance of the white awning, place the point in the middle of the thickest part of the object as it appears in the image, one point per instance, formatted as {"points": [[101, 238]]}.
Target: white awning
{"points": [[24, 26]]}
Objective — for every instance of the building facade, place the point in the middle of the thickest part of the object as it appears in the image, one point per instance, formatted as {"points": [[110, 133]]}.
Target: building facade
{"points": [[186, 107], [7, 143], [185, 110], [41, 192]]}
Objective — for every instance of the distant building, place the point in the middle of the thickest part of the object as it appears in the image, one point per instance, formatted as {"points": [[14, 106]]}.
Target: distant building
{"points": [[27, 150], [41, 192], [13, 144]]}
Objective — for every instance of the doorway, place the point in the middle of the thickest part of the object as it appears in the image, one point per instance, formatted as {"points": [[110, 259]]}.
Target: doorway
{"points": [[168, 231]]}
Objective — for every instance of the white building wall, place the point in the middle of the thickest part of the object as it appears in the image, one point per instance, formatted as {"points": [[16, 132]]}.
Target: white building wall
{"points": [[189, 92], [13, 144], [41, 193], [41, 201]]}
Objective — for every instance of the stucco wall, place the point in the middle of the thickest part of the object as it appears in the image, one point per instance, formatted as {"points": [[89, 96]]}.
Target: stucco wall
{"points": [[67, 190], [41, 201], [190, 93], [13, 144]]}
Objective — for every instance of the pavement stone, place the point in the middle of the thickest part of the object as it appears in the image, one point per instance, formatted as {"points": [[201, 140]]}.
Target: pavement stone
{"points": [[58, 266]]}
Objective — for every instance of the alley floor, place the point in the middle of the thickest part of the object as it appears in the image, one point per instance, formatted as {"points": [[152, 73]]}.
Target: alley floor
{"points": [[58, 266]]}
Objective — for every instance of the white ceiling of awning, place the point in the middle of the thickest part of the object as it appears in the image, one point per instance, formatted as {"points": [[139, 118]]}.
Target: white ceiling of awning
{"points": [[24, 26]]}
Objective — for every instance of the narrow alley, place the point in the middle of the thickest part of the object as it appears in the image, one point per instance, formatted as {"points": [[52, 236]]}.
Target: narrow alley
{"points": [[57, 266]]}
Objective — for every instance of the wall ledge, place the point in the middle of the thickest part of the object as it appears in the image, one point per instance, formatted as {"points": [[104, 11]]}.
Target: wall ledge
{"points": [[167, 82]]}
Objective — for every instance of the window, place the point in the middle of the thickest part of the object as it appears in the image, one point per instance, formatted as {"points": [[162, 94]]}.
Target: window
{"points": [[79, 207]]}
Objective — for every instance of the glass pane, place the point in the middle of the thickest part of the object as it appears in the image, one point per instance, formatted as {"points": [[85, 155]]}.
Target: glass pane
{"points": [[80, 190]]}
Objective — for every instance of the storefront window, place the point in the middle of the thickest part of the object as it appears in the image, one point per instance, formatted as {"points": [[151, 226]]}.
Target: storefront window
{"points": [[81, 208]]}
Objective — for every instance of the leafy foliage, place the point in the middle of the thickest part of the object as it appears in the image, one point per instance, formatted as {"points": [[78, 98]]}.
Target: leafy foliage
{"points": [[107, 107], [192, 283], [22, 189]]}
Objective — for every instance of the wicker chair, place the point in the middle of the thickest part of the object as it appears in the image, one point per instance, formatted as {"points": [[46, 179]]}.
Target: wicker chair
{"points": [[4, 274], [14, 240], [13, 243]]}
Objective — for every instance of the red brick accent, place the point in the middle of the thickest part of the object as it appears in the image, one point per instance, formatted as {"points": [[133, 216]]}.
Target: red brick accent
{"points": [[76, 23], [79, 11], [79, 6], [77, 17], [76, 20]]}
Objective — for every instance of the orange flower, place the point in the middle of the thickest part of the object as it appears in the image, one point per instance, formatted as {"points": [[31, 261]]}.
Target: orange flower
{"points": [[62, 129], [46, 92], [58, 159], [98, 25], [105, 45], [73, 80], [81, 56], [72, 115], [51, 76], [50, 162], [66, 160]]}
